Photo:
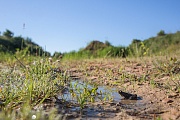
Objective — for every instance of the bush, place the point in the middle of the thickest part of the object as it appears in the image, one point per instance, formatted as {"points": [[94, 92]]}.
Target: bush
{"points": [[161, 33]]}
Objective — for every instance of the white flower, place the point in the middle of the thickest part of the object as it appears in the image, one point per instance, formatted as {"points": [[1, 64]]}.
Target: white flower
{"points": [[34, 63], [50, 59], [33, 117]]}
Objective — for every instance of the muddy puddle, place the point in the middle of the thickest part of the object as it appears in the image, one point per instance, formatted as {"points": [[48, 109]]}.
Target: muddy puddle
{"points": [[105, 93], [107, 103]]}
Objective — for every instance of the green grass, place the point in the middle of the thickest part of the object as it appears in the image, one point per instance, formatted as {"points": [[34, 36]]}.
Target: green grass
{"points": [[27, 82], [169, 67], [25, 88]]}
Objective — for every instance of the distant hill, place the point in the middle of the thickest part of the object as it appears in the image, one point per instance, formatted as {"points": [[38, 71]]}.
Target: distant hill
{"points": [[161, 44], [164, 44], [96, 45], [11, 44]]}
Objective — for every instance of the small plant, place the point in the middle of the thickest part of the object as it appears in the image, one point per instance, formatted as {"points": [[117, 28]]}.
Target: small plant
{"points": [[152, 83], [83, 93], [169, 67]]}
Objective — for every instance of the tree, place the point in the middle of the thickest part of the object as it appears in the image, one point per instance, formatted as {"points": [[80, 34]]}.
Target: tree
{"points": [[136, 41], [57, 55], [161, 33], [107, 43], [8, 34]]}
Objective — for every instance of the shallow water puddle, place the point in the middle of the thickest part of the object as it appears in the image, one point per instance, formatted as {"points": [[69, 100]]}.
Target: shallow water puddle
{"points": [[107, 103], [105, 93]]}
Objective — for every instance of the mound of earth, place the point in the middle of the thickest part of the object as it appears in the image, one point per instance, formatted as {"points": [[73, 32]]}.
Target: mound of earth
{"points": [[96, 45]]}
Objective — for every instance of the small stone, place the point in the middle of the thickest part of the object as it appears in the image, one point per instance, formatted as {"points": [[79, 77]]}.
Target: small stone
{"points": [[115, 109], [75, 114], [63, 111], [119, 104], [100, 114]]}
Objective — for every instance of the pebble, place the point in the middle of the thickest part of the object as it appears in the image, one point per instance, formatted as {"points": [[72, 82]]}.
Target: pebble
{"points": [[100, 114], [119, 104], [115, 109], [63, 111], [75, 114], [151, 102]]}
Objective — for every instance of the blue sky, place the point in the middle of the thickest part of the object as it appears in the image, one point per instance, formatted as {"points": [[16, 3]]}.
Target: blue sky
{"points": [[66, 25]]}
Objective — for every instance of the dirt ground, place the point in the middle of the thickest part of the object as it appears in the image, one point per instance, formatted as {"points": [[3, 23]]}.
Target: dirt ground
{"points": [[159, 92], [141, 78]]}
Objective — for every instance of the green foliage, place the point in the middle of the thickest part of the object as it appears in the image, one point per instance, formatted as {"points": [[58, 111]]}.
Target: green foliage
{"points": [[97, 49], [77, 55], [169, 67], [163, 45], [161, 33], [112, 52], [83, 93], [57, 55], [138, 49], [107, 43], [8, 34], [25, 88], [11, 44]]}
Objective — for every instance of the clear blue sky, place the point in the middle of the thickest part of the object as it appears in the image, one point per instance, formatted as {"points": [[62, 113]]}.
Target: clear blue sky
{"points": [[66, 25]]}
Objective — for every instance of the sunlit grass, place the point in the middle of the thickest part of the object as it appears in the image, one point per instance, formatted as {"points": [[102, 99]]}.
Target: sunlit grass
{"points": [[25, 88]]}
